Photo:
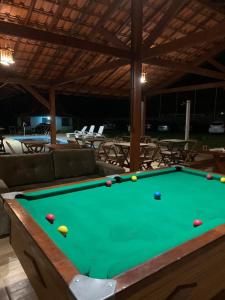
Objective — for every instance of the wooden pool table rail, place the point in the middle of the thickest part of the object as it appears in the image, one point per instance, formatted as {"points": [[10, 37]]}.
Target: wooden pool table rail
{"points": [[177, 271]]}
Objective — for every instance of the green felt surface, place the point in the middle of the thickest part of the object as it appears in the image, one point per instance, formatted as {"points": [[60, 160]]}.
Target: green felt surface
{"points": [[114, 229]]}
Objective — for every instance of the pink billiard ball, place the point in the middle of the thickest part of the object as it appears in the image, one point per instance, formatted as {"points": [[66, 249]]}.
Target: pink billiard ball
{"points": [[209, 176], [108, 183], [197, 223], [50, 218]]}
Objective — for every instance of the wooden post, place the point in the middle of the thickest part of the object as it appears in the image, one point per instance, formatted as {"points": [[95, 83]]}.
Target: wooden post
{"points": [[143, 115], [52, 115], [187, 122], [136, 43]]}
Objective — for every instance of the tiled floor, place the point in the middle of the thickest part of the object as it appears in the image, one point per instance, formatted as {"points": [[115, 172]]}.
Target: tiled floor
{"points": [[14, 284]]}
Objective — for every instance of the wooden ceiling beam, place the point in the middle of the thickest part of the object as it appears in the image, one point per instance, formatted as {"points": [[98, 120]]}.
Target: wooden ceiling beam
{"points": [[190, 40], [216, 64], [111, 37], [29, 12], [178, 75], [174, 8], [36, 95], [28, 86], [188, 68], [214, 5], [94, 89], [136, 88], [92, 71], [21, 81], [58, 39], [187, 88]]}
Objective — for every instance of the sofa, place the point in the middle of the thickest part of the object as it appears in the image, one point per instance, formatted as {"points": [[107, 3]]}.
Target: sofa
{"points": [[30, 171]]}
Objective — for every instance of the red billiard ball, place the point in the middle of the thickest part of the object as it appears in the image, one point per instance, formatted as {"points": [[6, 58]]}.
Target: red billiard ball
{"points": [[197, 223], [50, 218], [209, 176], [108, 183]]}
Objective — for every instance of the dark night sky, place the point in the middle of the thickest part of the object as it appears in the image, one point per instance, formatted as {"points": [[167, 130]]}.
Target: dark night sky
{"points": [[102, 110]]}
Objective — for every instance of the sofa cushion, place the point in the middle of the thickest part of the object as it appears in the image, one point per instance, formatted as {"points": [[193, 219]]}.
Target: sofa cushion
{"points": [[74, 162], [24, 169], [52, 183]]}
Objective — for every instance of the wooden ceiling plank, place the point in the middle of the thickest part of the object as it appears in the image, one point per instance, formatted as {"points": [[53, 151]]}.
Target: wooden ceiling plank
{"points": [[26, 21], [188, 68], [216, 64], [36, 95], [190, 40], [102, 68], [57, 55], [106, 15], [175, 7], [40, 48]]}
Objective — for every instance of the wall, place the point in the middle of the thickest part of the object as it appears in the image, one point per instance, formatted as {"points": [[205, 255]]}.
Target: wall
{"points": [[35, 120]]}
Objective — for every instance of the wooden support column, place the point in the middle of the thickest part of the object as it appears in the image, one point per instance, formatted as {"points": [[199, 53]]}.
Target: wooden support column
{"points": [[143, 115], [136, 44], [52, 115]]}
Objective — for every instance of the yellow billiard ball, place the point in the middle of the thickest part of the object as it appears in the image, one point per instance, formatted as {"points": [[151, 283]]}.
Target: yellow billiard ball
{"points": [[134, 178], [63, 230], [222, 179]]}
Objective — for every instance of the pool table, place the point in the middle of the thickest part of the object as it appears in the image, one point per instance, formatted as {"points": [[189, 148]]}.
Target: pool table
{"points": [[123, 243]]}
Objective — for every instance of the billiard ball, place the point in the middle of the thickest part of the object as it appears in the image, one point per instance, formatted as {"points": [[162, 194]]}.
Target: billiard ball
{"points": [[50, 218], [108, 183], [134, 178], [157, 195], [118, 179], [179, 168], [63, 230], [197, 223], [222, 179], [209, 177]]}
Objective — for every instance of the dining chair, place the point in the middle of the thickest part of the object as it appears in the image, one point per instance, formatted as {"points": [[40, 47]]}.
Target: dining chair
{"points": [[13, 151], [167, 153], [2, 146], [112, 154], [31, 148], [100, 153], [148, 156]]}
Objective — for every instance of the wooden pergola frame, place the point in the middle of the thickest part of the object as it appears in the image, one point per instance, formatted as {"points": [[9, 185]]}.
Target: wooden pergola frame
{"points": [[139, 53]]}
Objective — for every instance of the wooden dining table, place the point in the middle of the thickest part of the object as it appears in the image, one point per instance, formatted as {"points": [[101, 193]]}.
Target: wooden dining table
{"points": [[90, 141], [33, 146], [124, 148], [180, 146], [213, 158]]}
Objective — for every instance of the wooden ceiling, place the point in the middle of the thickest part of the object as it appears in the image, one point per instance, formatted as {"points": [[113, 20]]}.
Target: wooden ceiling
{"points": [[83, 46]]}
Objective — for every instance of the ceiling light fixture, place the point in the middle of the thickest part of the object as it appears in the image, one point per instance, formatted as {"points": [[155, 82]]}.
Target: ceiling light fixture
{"points": [[143, 78], [6, 56]]}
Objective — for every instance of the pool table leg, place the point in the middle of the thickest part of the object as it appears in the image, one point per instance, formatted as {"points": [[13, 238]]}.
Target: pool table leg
{"points": [[46, 282]]}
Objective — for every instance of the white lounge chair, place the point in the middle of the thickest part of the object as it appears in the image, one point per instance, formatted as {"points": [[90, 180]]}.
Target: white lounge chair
{"points": [[100, 132], [77, 133], [90, 132]]}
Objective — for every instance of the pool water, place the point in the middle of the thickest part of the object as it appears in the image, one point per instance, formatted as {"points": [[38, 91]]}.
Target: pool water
{"points": [[37, 138]]}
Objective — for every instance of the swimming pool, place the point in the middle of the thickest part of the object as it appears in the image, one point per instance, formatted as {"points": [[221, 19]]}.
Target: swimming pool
{"points": [[37, 138]]}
